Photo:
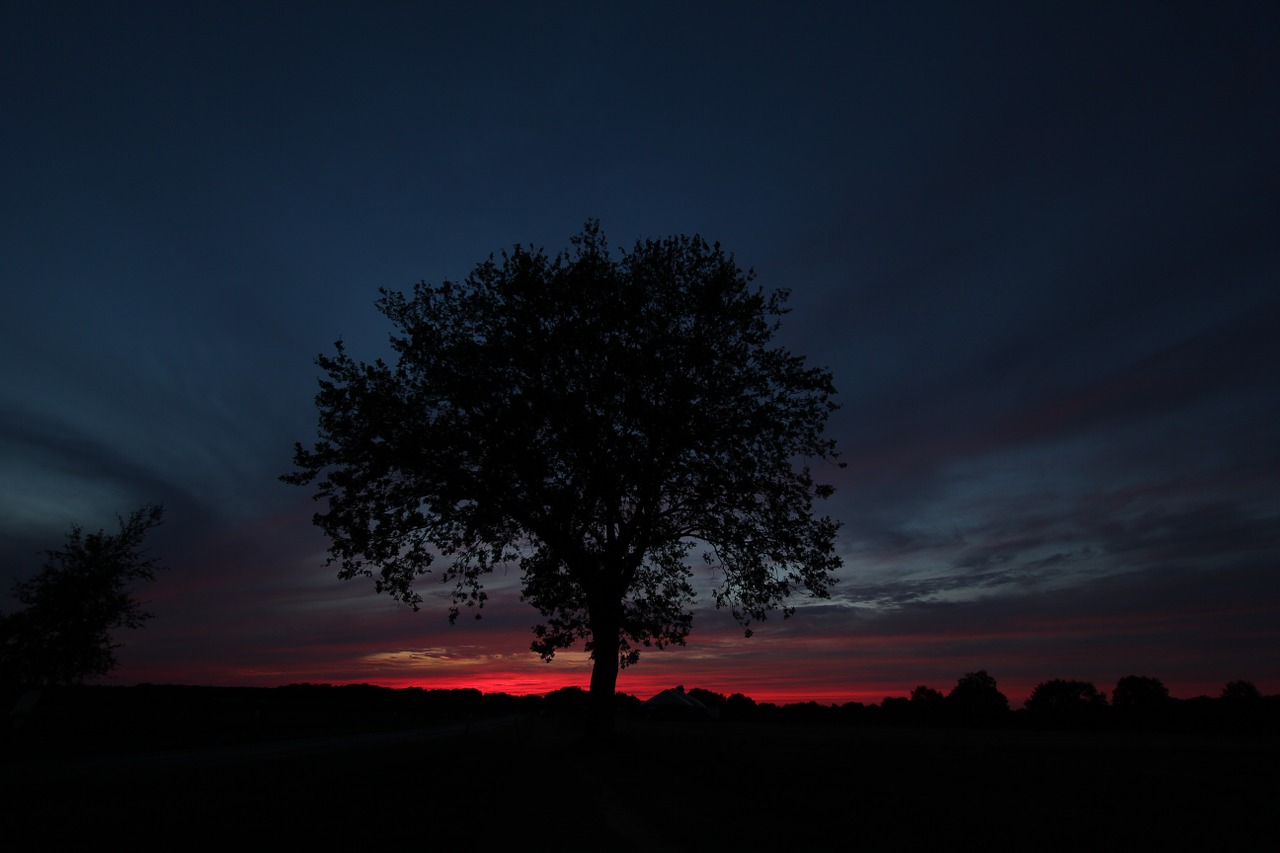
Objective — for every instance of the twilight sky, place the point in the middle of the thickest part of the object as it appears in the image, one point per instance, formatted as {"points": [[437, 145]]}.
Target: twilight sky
{"points": [[1037, 244]]}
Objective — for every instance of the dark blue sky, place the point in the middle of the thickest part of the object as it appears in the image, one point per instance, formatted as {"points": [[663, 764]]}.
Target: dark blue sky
{"points": [[1036, 244]]}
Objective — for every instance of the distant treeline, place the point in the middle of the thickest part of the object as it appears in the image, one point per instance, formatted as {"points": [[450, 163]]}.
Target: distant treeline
{"points": [[927, 707], [88, 719], [1136, 703], [82, 720]]}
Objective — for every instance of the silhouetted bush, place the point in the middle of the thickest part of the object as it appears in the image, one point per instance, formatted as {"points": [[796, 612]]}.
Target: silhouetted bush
{"points": [[923, 695], [1064, 695], [809, 713], [1240, 707], [566, 700], [1140, 701], [928, 706], [1240, 691], [710, 699], [857, 714], [895, 711], [738, 707], [1063, 702], [976, 700], [768, 712], [1139, 691]]}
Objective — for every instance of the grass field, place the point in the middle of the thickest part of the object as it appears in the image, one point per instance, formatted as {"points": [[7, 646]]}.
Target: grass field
{"points": [[536, 784]]}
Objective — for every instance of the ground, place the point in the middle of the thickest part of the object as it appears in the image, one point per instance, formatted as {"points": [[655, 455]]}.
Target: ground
{"points": [[532, 783]]}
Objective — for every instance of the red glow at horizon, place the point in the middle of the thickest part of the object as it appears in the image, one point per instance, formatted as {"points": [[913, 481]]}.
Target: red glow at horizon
{"points": [[642, 686], [519, 684], [784, 663]]}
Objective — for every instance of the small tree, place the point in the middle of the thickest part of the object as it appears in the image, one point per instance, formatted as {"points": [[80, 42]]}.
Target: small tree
{"points": [[1240, 706], [1140, 693], [709, 698], [1064, 699], [590, 418], [83, 593], [1241, 691], [927, 705], [976, 697], [925, 696], [1141, 701]]}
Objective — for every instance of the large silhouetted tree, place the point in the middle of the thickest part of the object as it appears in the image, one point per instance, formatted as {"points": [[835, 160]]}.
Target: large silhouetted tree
{"points": [[84, 592], [592, 418]]}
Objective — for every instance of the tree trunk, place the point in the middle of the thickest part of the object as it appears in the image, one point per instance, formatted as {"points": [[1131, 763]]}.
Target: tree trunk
{"points": [[604, 678]]}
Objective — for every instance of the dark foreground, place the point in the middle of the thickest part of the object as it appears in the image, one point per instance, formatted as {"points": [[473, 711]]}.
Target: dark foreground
{"points": [[531, 783]]}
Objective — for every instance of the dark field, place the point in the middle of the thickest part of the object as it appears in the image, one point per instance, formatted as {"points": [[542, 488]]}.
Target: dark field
{"points": [[532, 783]]}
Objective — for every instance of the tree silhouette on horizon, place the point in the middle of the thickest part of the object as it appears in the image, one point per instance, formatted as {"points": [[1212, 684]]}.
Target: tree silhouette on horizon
{"points": [[71, 607], [593, 419], [977, 698]]}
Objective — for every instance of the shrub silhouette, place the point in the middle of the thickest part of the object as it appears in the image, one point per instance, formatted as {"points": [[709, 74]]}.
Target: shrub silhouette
{"points": [[1062, 701], [928, 705], [1241, 691], [1060, 695], [1141, 701], [975, 698], [1139, 692]]}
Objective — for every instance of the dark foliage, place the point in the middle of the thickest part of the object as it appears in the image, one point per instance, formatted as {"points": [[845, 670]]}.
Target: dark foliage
{"points": [[1241, 691], [1064, 702], [83, 594], [566, 700], [796, 783], [708, 698], [738, 706], [926, 696], [589, 418], [927, 705], [1139, 701], [975, 698], [1060, 695], [1242, 707], [1140, 692], [86, 720]]}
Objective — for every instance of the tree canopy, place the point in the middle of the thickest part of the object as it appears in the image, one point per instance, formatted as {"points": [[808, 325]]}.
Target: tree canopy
{"points": [[1240, 691], [1064, 697], [594, 419], [83, 593], [977, 697], [1139, 691]]}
